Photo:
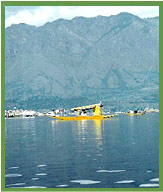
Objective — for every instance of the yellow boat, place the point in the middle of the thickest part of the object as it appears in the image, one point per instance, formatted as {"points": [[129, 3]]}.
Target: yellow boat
{"points": [[97, 113]]}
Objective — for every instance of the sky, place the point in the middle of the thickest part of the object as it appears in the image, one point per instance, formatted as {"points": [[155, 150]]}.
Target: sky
{"points": [[39, 15]]}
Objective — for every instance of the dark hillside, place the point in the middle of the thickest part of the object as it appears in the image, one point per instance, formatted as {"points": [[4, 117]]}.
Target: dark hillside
{"points": [[84, 60]]}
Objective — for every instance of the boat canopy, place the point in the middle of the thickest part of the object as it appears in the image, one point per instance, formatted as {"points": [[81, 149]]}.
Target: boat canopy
{"points": [[87, 107]]}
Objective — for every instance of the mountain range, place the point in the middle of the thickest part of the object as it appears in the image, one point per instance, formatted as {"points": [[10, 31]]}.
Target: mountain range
{"points": [[68, 63]]}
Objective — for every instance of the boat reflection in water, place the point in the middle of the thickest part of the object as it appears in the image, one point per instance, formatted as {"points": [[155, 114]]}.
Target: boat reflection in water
{"points": [[83, 129], [98, 125], [121, 152]]}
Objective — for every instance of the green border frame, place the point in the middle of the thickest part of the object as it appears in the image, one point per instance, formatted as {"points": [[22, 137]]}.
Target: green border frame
{"points": [[77, 3]]}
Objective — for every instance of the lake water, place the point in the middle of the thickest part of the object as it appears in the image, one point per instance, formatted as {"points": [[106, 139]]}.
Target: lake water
{"points": [[121, 152]]}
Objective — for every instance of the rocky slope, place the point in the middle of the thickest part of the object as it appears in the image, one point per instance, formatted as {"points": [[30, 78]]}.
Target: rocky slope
{"points": [[75, 62]]}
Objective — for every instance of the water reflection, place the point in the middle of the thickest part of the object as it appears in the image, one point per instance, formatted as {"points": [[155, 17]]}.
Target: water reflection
{"points": [[98, 131], [62, 151], [54, 123], [131, 121], [83, 128], [92, 125]]}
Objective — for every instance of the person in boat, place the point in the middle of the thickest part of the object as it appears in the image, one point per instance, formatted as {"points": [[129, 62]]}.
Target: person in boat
{"points": [[83, 113], [54, 112]]}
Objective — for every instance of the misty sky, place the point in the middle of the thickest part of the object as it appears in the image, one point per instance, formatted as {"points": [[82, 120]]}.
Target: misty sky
{"points": [[39, 15]]}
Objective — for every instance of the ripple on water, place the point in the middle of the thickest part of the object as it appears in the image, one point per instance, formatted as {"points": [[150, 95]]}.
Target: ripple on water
{"points": [[41, 174], [125, 181], [13, 175], [41, 165], [110, 171], [13, 168], [61, 185], [85, 182], [15, 184], [149, 185], [35, 187], [155, 180], [35, 178]]}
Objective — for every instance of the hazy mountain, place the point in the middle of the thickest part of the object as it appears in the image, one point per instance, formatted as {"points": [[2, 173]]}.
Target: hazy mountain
{"points": [[71, 62]]}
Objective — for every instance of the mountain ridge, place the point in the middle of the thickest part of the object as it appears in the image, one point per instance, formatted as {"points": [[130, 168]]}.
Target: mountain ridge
{"points": [[78, 58]]}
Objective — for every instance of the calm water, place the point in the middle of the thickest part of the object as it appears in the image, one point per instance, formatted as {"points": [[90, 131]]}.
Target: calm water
{"points": [[122, 152]]}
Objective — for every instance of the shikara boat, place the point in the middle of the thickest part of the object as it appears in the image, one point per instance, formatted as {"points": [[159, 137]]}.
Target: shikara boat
{"points": [[134, 114], [81, 113]]}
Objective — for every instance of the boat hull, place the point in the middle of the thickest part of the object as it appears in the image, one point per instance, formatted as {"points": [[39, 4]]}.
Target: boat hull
{"points": [[83, 117]]}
